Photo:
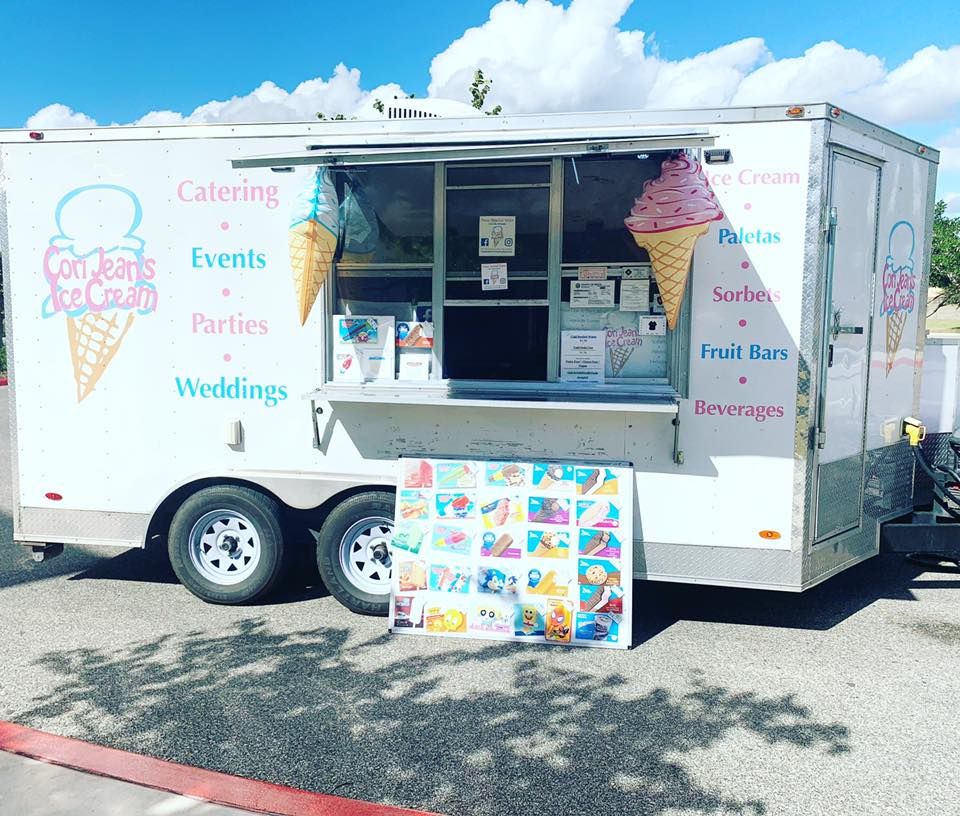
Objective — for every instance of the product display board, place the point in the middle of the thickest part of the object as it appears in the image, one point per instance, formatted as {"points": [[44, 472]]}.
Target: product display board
{"points": [[504, 550]]}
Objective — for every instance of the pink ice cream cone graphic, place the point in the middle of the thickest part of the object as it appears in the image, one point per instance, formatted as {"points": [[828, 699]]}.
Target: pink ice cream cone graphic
{"points": [[673, 212], [99, 277], [899, 287]]}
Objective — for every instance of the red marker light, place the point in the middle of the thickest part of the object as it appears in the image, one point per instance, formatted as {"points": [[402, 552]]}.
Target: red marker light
{"points": [[36, 135], [54, 496]]}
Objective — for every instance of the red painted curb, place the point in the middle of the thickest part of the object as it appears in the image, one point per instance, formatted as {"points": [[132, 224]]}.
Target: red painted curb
{"points": [[210, 786]]}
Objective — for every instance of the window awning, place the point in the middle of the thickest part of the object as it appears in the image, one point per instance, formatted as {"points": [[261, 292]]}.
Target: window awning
{"points": [[474, 151]]}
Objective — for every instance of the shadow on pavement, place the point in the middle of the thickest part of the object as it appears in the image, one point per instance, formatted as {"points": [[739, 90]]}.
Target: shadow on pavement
{"points": [[657, 606], [304, 709]]}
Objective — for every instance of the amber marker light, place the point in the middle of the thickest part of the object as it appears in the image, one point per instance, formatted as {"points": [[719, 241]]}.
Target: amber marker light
{"points": [[769, 535]]}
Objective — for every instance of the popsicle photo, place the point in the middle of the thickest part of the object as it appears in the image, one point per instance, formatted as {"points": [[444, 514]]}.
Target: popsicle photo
{"points": [[504, 544], [596, 481], [548, 543], [413, 505], [448, 539], [599, 543], [501, 512], [600, 513], [455, 505], [552, 476], [597, 572], [548, 510], [456, 474], [601, 598]]}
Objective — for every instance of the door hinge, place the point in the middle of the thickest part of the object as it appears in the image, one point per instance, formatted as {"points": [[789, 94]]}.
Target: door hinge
{"points": [[830, 222], [821, 439]]}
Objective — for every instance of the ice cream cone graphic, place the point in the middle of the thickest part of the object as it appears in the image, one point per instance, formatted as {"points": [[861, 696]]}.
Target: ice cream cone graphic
{"points": [[618, 358], [673, 212], [895, 324], [313, 236], [95, 338]]}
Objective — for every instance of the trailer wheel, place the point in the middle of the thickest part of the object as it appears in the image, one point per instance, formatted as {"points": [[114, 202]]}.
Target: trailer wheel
{"points": [[226, 544], [354, 554]]}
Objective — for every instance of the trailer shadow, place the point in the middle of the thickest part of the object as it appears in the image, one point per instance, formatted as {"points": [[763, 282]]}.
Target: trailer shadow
{"points": [[657, 606], [452, 729]]}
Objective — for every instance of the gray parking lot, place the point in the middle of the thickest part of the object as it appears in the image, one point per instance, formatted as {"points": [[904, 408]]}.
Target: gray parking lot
{"points": [[838, 701]]}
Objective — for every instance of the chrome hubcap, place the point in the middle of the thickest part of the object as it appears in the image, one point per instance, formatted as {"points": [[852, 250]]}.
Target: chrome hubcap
{"points": [[366, 556], [224, 547]]}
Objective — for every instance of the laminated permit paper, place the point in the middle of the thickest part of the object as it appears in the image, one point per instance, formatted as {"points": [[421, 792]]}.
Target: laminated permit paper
{"points": [[635, 295], [592, 294], [535, 551]]}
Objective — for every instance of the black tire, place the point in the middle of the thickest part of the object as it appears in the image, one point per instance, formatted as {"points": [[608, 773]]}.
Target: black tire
{"points": [[264, 516], [372, 504]]}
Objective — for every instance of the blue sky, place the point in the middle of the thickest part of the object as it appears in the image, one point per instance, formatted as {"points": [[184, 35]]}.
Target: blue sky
{"points": [[115, 62]]}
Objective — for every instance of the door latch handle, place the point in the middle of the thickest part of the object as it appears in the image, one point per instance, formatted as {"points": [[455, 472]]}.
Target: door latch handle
{"points": [[837, 330], [830, 356]]}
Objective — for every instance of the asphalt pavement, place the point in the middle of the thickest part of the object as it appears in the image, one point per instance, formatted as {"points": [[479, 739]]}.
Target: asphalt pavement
{"points": [[841, 700]]}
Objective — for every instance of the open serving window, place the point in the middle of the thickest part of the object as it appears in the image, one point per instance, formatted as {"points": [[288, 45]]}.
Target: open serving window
{"points": [[500, 271]]}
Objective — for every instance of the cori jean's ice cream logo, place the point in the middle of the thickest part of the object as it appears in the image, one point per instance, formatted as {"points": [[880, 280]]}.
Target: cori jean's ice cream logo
{"points": [[899, 286], [98, 276]]}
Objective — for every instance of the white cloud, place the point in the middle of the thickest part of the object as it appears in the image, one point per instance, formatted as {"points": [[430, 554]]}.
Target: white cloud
{"points": [[949, 147], [57, 116], [953, 202], [543, 56], [341, 93]]}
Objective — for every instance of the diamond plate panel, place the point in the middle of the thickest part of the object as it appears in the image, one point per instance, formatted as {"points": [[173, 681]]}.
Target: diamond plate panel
{"points": [[732, 566], [83, 526], [888, 488], [838, 495]]}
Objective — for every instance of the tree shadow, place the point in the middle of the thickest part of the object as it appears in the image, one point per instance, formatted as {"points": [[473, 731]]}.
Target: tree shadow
{"points": [[456, 729]]}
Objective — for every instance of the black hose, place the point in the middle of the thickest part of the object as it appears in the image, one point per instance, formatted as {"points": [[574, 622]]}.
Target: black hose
{"points": [[936, 561]]}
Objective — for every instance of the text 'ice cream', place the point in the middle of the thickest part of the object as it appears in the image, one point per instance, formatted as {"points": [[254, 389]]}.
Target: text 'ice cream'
{"points": [[674, 210]]}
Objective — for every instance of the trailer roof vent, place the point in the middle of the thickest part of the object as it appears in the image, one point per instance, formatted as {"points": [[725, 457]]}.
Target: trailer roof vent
{"points": [[429, 109]]}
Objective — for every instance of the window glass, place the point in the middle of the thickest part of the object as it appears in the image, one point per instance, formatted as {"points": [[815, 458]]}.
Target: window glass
{"points": [[528, 206], [597, 196], [386, 213], [495, 342], [499, 174]]}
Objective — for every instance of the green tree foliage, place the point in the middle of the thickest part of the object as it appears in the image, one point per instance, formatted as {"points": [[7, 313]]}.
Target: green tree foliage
{"points": [[945, 258], [479, 89]]}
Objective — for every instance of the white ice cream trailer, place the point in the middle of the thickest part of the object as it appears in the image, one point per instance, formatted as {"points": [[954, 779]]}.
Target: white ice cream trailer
{"points": [[215, 326]]}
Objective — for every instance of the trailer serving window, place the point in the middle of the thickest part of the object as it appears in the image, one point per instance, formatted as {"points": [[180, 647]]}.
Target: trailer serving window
{"points": [[498, 272]]}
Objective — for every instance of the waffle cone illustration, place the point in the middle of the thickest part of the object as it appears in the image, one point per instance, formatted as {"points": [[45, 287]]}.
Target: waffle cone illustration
{"points": [[95, 337], [313, 237], [670, 256], [312, 249], [618, 358], [895, 324], [673, 212]]}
